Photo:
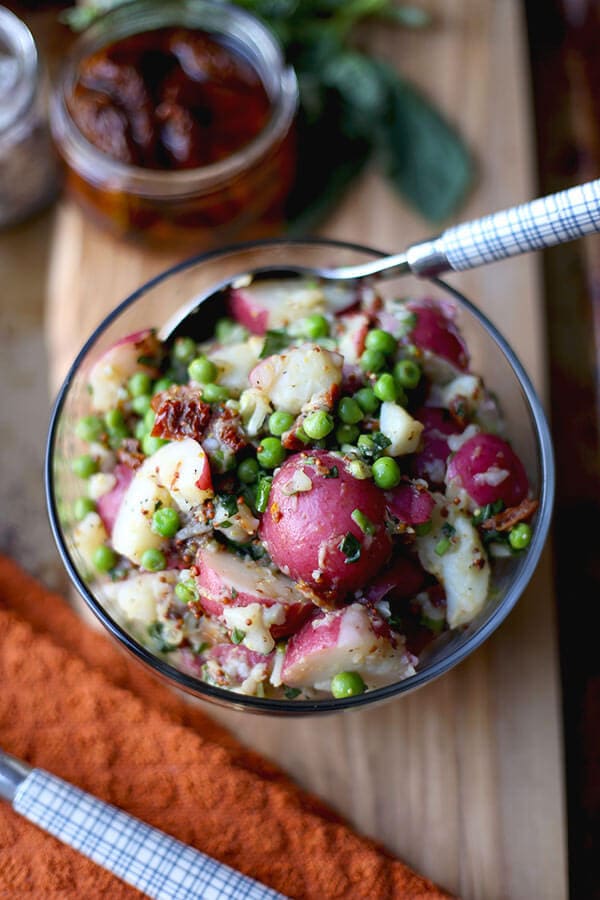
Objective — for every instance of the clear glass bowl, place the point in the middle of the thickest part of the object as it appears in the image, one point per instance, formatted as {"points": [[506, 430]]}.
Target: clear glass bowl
{"points": [[181, 291]]}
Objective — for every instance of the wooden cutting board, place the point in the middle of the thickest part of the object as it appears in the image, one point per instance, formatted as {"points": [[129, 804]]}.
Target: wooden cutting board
{"points": [[462, 779]]}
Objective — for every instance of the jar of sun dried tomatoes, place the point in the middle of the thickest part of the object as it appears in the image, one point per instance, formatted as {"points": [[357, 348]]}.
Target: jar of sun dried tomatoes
{"points": [[175, 121]]}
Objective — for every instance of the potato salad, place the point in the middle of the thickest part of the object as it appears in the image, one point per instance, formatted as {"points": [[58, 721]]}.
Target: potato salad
{"points": [[298, 506]]}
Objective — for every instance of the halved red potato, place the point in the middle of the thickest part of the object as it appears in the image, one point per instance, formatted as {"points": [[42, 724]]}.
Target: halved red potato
{"points": [[177, 474], [275, 303], [110, 374], [226, 580], [352, 334], [108, 504], [436, 332], [352, 639], [299, 375], [234, 666], [409, 503], [431, 460], [309, 518], [403, 578], [488, 469]]}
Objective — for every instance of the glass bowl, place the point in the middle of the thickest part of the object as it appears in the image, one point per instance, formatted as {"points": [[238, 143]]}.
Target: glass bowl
{"points": [[180, 291], [198, 207]]}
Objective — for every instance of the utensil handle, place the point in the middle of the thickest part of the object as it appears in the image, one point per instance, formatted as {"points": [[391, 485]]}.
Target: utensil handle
{"points": [[544, 222], [155, 863]]}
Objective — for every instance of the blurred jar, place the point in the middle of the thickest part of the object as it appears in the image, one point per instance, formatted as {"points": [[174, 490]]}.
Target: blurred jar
{"points": [[239, 196], [28, 165]]}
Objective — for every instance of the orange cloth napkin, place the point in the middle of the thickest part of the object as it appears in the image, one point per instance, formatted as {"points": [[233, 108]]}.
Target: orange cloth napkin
{"points": [[73, 703]]}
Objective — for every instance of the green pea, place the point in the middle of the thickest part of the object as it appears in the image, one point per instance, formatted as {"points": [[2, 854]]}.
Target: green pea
{"points": [[186, 591], [104, 558], [153, 560], [318, 424], [248, 470], [184, 350], [84, 465], [149, 419], [315, 326], [381, 341], [385, 388], [202, 370], [163, 384], [386, 472], [114, 419], [151, 444], [366, 399], [347, 684], [349, 411], [83, 506], [520, 536], [140, 430], [372, 361], [263, 490], [165, 521], [279, 422], [346, 434], [227, 331], [139, 383], [271, 453], [89, 428], [117, 435], [407, 373], [141, 404], [214, 393]]}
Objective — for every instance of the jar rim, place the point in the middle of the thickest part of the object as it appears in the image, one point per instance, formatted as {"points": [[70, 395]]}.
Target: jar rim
{"points": [[137, 16], [19, 42]]}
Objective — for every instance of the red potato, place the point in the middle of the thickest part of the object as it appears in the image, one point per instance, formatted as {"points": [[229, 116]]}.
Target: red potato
{"points": [[488, 470], [236, 657], [430, 462], [309, 514], [109, 376], [352, 334], [277, 302], [403, 579], [352, 639], [409, 504], [226, 580], [435, 331], [109, 504]]}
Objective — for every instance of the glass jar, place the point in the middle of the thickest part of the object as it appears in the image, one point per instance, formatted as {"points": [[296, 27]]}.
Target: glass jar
{"points": [[28, 170], [239, 196]]}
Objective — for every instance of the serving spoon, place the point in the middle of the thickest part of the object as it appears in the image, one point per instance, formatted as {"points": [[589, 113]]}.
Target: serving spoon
{"points": [[544, 222]]}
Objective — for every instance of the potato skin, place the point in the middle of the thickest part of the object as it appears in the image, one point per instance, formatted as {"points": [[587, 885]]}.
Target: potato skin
{"points": [[473, 466], [303, 531]]}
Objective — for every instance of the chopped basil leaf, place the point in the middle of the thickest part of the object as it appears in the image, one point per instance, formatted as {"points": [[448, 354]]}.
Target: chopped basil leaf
{"points": [[234, 593], [237, 635], [423, 529], [448, 530], [229, 503], [350, 547], [275, 341], [155, 632], [332, 472], [291, 693]]}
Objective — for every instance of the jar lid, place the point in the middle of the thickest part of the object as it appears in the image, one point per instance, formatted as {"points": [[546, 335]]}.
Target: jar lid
{"points": [[18, 68]]}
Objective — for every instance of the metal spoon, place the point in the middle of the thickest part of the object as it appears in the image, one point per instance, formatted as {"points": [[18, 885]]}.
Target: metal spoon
{"points": [[544, 222]]}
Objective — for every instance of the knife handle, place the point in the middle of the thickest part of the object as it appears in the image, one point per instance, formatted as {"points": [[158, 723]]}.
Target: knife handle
{"points": [[153, 862]]}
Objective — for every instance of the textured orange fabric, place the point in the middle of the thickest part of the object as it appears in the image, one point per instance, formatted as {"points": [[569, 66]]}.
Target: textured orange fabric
{"points": [[72, 703]]}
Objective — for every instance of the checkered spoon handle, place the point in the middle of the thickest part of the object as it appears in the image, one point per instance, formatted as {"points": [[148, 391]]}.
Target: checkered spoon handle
{"points": [[155, 863], [541, 223]]}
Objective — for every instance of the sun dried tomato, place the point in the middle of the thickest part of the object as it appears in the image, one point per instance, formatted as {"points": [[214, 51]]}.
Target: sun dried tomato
{"points": [[180, 413]]}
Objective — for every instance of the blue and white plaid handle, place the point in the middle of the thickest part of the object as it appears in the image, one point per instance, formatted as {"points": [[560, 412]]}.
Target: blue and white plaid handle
{"points": [[155, 863], [541, 223]]}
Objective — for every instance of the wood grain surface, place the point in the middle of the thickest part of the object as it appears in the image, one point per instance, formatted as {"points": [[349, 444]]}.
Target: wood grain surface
{"points": [[462, 779]]}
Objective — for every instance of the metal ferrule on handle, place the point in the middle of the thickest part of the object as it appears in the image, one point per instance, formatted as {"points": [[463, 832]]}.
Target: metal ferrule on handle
{"points": [[155, 863], [541, 223]]}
